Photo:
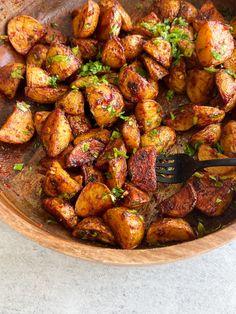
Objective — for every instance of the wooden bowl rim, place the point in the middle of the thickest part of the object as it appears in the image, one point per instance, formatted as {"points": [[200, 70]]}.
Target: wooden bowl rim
{"points": [[13, 217]]}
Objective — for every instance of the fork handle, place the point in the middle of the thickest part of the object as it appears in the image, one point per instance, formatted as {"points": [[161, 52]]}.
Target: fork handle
{"points": [[216, 163]]}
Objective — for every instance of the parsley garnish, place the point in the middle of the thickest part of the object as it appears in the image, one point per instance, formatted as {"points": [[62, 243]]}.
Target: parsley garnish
{"points": [[217, 56], [111, 110], [93, 68], [218, 201], [198, 175], [121, 116], [85, 147], [75, 50], [219, 148], [115, 134], [53, 80], [172, 116], [58, 58], [180, 21], [231, 72], [108, 175], [23, 106], [18, 167], [118, 192], [211, 70], [142, 72], [191, 150], [17, 73], [170, 95], [119, 153], [153, 132], [114, 29]]}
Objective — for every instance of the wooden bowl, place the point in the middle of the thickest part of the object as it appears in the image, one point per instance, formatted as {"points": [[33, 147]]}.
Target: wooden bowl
{"points": [[19, 206]]}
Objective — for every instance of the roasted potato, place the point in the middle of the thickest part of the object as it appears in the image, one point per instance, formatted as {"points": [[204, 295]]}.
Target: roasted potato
{"points": [[94, 229], [91, 174], [169, 230], [19, 126], [186, 44], [61, 61], [160, 50], [214, 44], [209, 135], [141, 26], [200, 85], [133, 46], [227, 87], [233, 24], [37, 77], [62, 211], [23, 32], [117, 172], [177, 80], [53, 36], [106, 103], [131, 133], [101, 135], [230, 64], [10, 78], [56, 133], [45, 95], [87, 47], [79, 124], [149, 115], [168, 9], [142, 169], [47, 162], [188, 11], [59, 183], [162, 138], [126, 22], [113, 53], [126, 225], [37, 56], [228, 138], [213, 197], [39, 120], [181, 119], [85, 23], [175, 207], [134, 197], [155, 70], [204, 115], [94, 200], [72, 103]]}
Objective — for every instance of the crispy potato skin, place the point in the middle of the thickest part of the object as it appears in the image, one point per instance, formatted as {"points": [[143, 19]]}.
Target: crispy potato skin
{"points": [[94, 200], [37, 56], [56, 133], [91, 174], [117, 168], [126, 22], [205, 115], [142, 169], [149, 115], [133, 46], [182, 119], [8, 82], [233, 24], [127, 227], [212, 200], [101, 135], [227, 87], [53, 36], [18, 128], [85, 23], [62, 211], [23, 32], [168, 9], [214, 44], [228, 138], [175, 207], [36, 77], [79, 124], [169, 230], [88, 47], [47, 162], [155, 70], [113, 53], [135, 198], [59, 183], [72, 103], [230, 63], [45, 95], [210, 135], [39, 119], [131, 133], [177, 80], [138, 28], [94, 229], [199, 85], [162, 138], [160, 50], [188, 11]]}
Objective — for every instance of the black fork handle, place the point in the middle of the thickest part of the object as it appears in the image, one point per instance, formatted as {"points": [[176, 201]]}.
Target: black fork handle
{"points": [[216, 163]]}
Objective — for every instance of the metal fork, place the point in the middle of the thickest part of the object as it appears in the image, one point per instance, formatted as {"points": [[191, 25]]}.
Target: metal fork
{"points": [[180, 167]]}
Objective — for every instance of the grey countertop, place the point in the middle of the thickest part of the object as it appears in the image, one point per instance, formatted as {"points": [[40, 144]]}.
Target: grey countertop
{"points": [[36, 280]]}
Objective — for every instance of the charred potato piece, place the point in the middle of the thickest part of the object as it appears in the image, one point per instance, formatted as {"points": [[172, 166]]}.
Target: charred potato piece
{"points": [[88, 47], [175, 207], [188, 11], [149, 115], [39, 119], [214, 44], [228, 138], [45, 95], [169, 230], [106, 103], [126, 22], [91, 174], [134, 197], [53, 36], [168, 9], [160, 50], [204, 115], [59, 183], [142, 169], [79, 124], [209, 135], [37, 77], [23, 32], [37, 56], [162, 138], [47, 162], [177, 80], [213, 199], [117, 172], [56, 133], [230, 64], [126, 225], [61, 61], [101, 135], [113, 53], [94, 200], [151, 19], [10, 78], [133, 46], [85, 23], [227, 87], [181, 119], [72, 103], [131, 133], [155, 70], [19, 126], [62, 211], [94, 229]]}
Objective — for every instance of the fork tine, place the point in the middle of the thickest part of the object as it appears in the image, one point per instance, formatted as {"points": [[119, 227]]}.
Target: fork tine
{"points": [[164, 157], [165, 171], [165, 164], [169, 180]]}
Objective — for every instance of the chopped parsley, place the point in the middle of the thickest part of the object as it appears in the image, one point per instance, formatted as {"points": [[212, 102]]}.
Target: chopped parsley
{"points": [[118, 192], [198, 175], [231, 72], [170, 95], [180, 21], [58, 58], [111, 110], [23, 106], [115, 134], [75, 50], [93, 68], [211, 70], [53, 80], [18, 167], [218, 201], [17, 73], [121, 116], [85, 147], [141, 72], [172, 116], [153, 132], [201, 229], [114, 30], [217, 56], [191, 150], [219, 148], [108, 175], [51, 222], [119, 153]]}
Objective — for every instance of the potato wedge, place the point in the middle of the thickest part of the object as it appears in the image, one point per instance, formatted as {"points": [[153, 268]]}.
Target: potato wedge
{"points": [[142, 27], [23, 32], [126, 225], [56, 133], [162, 138], [230, 64], [62, 211], [133, 46], [94, 200], [177, 79], [37, 77], [228, 138], [117, 172], [160, 50], [233, 24], [214, 44], [166, 230], [45, 95], [113, 53], [101, 135], [47, 162], [85, 23], [200, 85], [155, 70], [213, 197], [94, 229], [204, 115], [227, 87], [79, 124], [209, 135], [126, 22], [19, 126], [53, 36], [91, 174], [87, 47], [175, 207], [149, 115], [142, 169], [72, 103], [188, 11], [168, 9], [134, 197], [39, 120], [181, 119], [106, 103], [59, 183], [131, 133], [10, 78], [37, 56]]}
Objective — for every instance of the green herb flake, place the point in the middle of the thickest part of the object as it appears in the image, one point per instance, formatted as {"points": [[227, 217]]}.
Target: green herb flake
{"points": [[119, 153], [189, 150], [201, 229], [211, 70], [180, 21], [18, 167], [218, 184], [53, 80], [142, 72], [170, 95], [121, 116], [105, 196], [17, 73], [111, 110], [153, 132], [118, 192], [23, 106], [134, 151], [218, 201], [115, 134], [231, 72], [213, 178], [217, 56], [114, 29], [92, 68], [74, 88], [219, 148], [58, 58], [75, 50], [85, 147], [51, 222], [172, 116], [108, 175], [198, 175]]}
